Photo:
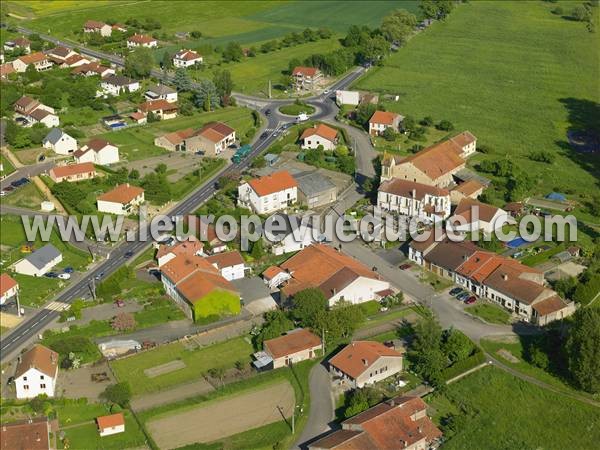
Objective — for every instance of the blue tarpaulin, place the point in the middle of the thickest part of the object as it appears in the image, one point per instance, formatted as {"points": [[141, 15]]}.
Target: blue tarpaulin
{"points": [[556, 196]]}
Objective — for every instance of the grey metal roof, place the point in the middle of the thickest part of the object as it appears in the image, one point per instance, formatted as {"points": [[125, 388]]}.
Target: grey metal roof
{"points": [[54, 135], [313, 183], [161, 89], [43, 256]]}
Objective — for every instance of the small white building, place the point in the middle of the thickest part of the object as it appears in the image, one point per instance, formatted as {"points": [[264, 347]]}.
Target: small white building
{"points": [[39, 262], [117, 84], [230, 264], [141, 40], [94, 26], [320, 134], [270, 193], [293, 347], [113, 424], [186, 58], [8, 288], [275, 276], [161, 92], [122, 200], [60, 142], [429, 203], [98, 151], [347, 97], [471, 215], [36, 372]]}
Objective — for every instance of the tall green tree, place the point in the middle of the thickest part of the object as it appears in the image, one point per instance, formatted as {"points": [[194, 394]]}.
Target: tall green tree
{"points": [[233, 52], [182, 80], [583, 349], [139, 63], [206, 96], [167, 60], [308, 305], [398, 26], [224, 84]]}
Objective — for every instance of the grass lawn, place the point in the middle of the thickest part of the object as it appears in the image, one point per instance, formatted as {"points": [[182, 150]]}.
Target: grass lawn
{"points": [[27, 196], [7, 167], [518, 80], [197, 363], [385, 317], [436, 282], [296, 108], [505, 412], [490, 313], [86, 436]]}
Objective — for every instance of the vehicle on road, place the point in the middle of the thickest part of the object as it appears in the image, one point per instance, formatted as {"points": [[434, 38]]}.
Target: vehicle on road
{"points": [[472, 299], [51, 275], [454, 292], [463, 296], [99, 276], [128, 254], [302, 117], [267, 112], [64, 276], [119, 303], [68, 270], [42, 158], [9, 189], [3, 193], [326, 91], [264, 135], [241, 153], [404, 266]]}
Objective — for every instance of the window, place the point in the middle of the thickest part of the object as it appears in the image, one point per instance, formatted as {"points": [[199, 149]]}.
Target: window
{"points": [[24, 378], [25, 387], [41, 377], [42, 386]]}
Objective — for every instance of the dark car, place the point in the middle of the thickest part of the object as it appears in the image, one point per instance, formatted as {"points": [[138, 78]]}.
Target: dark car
{"points": [[9, 189], [267, 112], [99, 276], [462, 297], [472, 299], [51, 275], [17, 183], [455, 291], [24, 180], [128, 254], [264, 135], [68, 270], [404, 266], [41, 158]]}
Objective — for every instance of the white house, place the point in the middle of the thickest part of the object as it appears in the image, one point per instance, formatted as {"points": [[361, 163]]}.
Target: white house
{"points": [[141, 40], [91, 69], [94, 26], [306, 77], [320, 134], [122, 200], [412, 199], [289, 234], [275, 276], [36, 372], [118, 84], [212, 139], [98, 151], [186, 58], [295, 346], [162, 109], [113, 424], [61, 54], [39, 60], [382, 120], [230, 264], [161, 92], [269, 193], [39, 262], [8, 288], [60, 142], [472, 215], [29, 111]]}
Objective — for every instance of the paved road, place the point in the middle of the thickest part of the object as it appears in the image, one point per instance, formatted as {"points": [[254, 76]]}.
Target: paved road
{"points": [[27, 172]]}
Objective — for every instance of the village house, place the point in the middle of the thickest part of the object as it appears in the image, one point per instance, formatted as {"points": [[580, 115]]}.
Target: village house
{"points": [[94, 26], [320, 134], [28, 434], [60, 142], [212, 139], [230, 264], [382, 120], [122, 200], [198, 288], [112, 424], [72, 172], [39, 262], [315, 189], [9, 288], [18, 44], [428, 203], [339, 276], [291, 348], [434, 165], [398, 423], [274, 276], [36, 372], [6, 70], [98, 151], [176, 141], [138, 117], [161, 109], [117, 84], [306, 77], [60, 54], [268, 194], [91, 69], [39, 60], [29, 111], [475, 215], [186, 58], [141, 40], [188, 247], [364, 362], [207, 233], [289, 234], [161, 92], [119, 27], [469, 189]]}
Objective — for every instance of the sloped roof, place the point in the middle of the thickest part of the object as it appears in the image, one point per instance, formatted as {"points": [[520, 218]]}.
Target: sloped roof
{"points": [[358, 356], [43, 256], [215, 131], [40, 358], [485, 212], [26, 434], [95, 24], [161, 89], [549, 305], [305, 71], [201, 283], [177, 137], [271, 272], [187, 55], [114, 420], [292, 342], [33, 58], [322, 130], [383, 117], [451, 255], [39, 113], [157, 105], [54, 135], [469, 187], [276, 182], [406, 188], [123, 193], [141, 39], [226, 259], [97, 144], [508, 279], [437, 160], [27, 103], [6, 283], [72, 169]]}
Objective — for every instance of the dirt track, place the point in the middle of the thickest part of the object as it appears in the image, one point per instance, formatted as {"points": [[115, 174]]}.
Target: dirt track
{"points": [[225, 417]]}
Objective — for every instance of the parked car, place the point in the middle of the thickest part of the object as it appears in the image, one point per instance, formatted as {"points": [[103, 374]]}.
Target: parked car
{"points": [[3, 193], [9, 189], [463, 296], [267, 112], [64, 276], [68, 270], [455, 291], [472, 299], [264, 135], [404, 266], [51, 275]]}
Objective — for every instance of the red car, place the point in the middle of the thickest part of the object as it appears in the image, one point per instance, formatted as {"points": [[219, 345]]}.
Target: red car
{"points": [[472, 299], [405, 266], [119, 303]]}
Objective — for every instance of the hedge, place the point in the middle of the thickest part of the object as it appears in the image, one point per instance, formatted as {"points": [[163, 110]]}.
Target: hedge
{"points": [[477, 358]]}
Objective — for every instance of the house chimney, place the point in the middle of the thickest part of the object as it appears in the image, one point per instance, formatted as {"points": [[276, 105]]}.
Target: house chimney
{"points": [[504, 276], [392, 402], [365, 362]]}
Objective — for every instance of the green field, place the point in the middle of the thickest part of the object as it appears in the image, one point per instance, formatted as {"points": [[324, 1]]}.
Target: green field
{"points": [[490, 313], [515, 75], [502, 412], [7, 167], [198, 362], [27, 196]]}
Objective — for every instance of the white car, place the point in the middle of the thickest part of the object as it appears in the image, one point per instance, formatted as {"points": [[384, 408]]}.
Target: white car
{"points": [[64, 276], [326, 91]]}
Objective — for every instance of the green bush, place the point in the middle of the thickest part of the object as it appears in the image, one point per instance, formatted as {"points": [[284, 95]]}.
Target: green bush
{"points": [[478, 357]]}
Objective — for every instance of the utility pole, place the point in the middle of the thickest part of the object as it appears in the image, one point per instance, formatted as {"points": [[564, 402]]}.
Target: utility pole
{"points": [[18, 305], [269, 88], [294, 419]]}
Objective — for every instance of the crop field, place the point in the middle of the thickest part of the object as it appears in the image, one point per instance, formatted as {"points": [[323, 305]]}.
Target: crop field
{"points": [[518, 80]]}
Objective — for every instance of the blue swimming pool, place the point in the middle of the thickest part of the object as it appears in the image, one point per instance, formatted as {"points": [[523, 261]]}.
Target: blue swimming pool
{"points": [[516, 243]]}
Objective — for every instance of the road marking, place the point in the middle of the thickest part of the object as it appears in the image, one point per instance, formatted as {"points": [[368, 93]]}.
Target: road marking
{"points": [[57, 306]]}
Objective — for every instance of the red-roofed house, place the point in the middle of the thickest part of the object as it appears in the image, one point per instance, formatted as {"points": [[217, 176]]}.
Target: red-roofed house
{"points": [[275, 276], [293, 347], [230, 264], [141, 40], [94, 26], [122, 200], [365, 362], [398, 423], [5, 70], [212, 139], [28, 434], [320, 134], [113, 424], [98, 151], [188, 247], [73, 172], [18, 43], [39, 60], [8, 288], [93, 68], [186, 58], [36, 372], [269, 193], [382, 120], [306, 77], [162, 109]]}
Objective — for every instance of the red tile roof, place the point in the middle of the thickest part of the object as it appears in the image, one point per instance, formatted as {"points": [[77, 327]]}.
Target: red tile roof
{"points": [[406, 188], [358, 356], [320, 130], [549, 305], [40, 358], [466, 206], [6, 69], [93, 24], [157, 105], [226, 259], [293, 342], [141, 39], [469, 188], [272, 272], [31, 434], [187, 55], [33, 58], [124, 193], [383, 117], [97, 144], [437, 160], [276, 182], [177, 137], [215, 131], [72, 169], [6, 283], [189, 247], [114, 420], [305, 71]]}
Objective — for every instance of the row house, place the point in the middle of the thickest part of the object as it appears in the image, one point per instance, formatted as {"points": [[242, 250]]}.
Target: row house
{"points": [[429, 203]]}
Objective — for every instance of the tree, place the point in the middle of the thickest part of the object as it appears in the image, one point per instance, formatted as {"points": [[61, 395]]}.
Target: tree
{"points": [[456, 346], [182, 81], [276, 323], [389, 134], [581, 14], [436, 9], [409, 124], [397, 26], [427, 121], [196, 34], [364, 113], [429, 360], [218, 373], [445, 125], [139, 63], [257, 251], [583, 348], [206, 96], [223, 84], [307, 305], [233, 52], [167, 60], [119, 393], [123, 322]]}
